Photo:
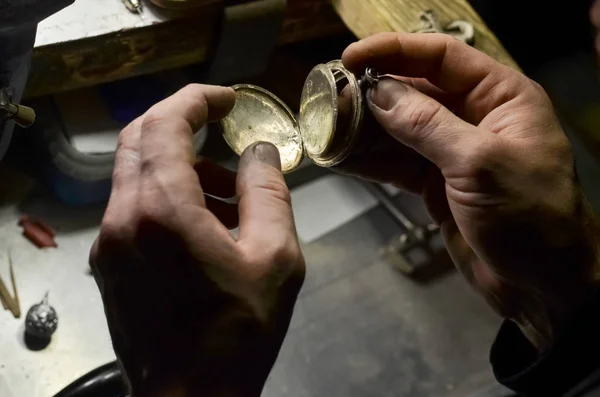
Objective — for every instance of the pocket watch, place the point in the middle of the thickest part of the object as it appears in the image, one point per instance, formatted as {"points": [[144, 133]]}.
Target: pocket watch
{"points": [[326, 129]]}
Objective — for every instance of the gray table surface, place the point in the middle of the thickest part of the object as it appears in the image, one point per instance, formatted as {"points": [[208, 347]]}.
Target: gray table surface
{"points": [[82, 341]]}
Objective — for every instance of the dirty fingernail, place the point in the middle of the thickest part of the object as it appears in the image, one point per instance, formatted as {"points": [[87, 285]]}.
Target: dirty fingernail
{"points": [[267, 153], [386, 94]]}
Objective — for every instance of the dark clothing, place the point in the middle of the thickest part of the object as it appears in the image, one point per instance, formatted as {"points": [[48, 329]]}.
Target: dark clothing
{"points": [[570, 368]]}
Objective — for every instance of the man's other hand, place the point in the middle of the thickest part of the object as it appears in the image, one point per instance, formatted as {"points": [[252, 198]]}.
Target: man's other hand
{"points": [[192, 310]]}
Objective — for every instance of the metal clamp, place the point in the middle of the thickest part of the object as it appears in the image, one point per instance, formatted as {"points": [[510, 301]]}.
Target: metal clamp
{"points": [[414, 237], [461, 30]]}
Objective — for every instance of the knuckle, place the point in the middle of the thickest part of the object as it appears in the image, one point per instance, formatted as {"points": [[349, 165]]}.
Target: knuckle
{"points": [[537, 87], [94, 257], [298, 273], [277, 257], [114, 237], [423, 116], [500, 86], [151, 121], [533, 92], [154, 122], [276, 189], [285, 253], [195, 93], [194, 97], [557, 157], [563, 146], [194, 89], [126, 137], [288, 258], [112, 232], [483, 155], [494, 89], [151, 214], [445, 39]]}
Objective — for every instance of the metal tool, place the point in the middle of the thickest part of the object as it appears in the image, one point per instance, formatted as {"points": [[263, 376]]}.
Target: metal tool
{"points": [[414, 236], [23, 116], [10, 302], [41, 320], [135, 6], [370, 78], [461, 30]]}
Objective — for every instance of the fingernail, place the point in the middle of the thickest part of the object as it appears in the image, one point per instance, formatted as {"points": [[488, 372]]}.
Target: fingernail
{"points": [[386, 93], [267, 153]]}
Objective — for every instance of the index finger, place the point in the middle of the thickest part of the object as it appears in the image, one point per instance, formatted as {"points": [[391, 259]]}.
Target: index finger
{"points": [[448, 63], [167, 155]]}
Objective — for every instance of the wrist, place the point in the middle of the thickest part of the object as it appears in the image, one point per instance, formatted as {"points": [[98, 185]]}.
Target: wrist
{"points": [[543, 319], [548, 305]]}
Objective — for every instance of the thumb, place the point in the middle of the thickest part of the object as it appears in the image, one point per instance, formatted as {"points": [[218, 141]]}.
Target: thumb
{"points": [[421, 122], [265, 209]]}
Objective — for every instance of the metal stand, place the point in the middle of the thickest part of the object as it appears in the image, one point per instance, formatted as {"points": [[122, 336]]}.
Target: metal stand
{"points": [[414, 237]]}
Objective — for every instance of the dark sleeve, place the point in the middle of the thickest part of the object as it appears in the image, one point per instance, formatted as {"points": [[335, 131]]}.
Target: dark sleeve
{"points": [[571, 367]]}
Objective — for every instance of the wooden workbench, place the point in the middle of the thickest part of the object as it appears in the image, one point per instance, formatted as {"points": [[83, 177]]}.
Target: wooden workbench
{"points": [[96, 41]]}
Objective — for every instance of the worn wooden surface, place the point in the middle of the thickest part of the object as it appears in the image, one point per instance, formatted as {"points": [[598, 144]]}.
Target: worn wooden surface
{"points": [[368, 17], [97, 41], [90, 48]]}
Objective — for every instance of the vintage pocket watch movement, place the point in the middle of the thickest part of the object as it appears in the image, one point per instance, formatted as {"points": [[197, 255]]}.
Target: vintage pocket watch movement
{"points": [[326, 130]]}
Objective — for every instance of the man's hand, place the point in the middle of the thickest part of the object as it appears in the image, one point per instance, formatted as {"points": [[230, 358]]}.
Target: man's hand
{"points": [[481, 143], [192, 310]]}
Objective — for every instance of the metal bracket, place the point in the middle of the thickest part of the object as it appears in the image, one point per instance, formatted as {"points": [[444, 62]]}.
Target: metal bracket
{"points": [[248, 36], [414, 237], [461, 30]]}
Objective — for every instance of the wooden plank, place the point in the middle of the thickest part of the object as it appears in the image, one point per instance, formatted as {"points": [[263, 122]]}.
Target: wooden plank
{"points": [[119, 54], [368, 17], [89, 18]]}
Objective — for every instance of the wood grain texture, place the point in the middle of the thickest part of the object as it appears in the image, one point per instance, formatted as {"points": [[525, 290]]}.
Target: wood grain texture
{"points": [[177, 42], [368, 17], [161, 46]]}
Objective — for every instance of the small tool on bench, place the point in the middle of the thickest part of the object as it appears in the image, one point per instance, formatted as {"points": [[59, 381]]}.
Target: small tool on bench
{"points": [[135, 6], [41, 320], [10, 302]]}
